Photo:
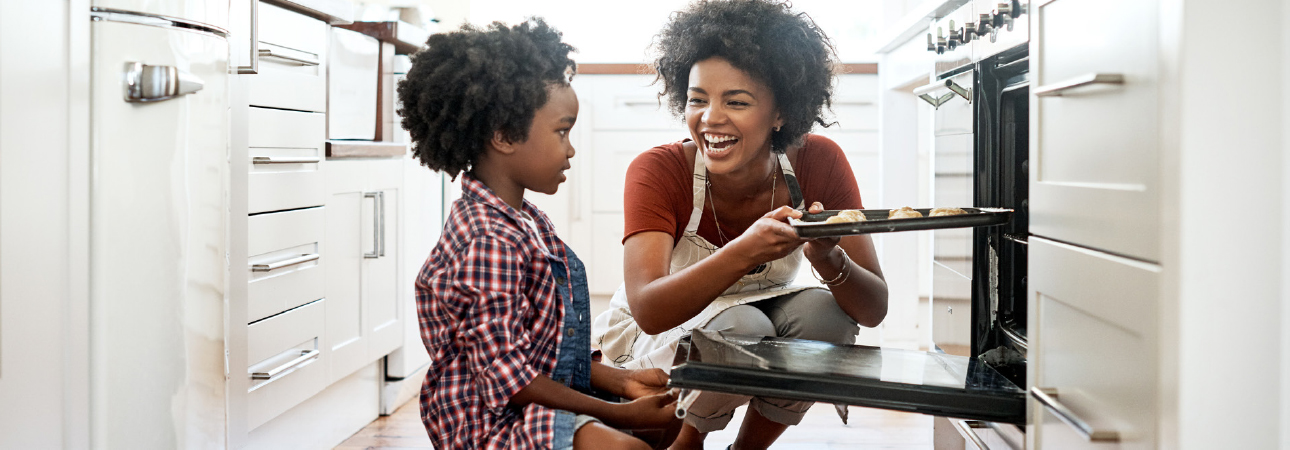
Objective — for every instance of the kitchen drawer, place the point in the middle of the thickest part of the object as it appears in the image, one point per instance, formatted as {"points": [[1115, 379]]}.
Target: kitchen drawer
{"points": [[285, 261], [285, 351], [286, 150], [1093, 339], [354, 60], [1094, 157], [629, 102], [855, 106], [293, 62]]}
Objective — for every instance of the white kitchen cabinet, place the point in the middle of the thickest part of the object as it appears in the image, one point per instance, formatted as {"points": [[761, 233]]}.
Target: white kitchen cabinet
{"points": [[1093, 343], [285, 149], [1097, 189], [292, 61], [362, 230]]}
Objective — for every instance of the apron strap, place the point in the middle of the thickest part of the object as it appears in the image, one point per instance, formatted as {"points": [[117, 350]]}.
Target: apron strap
{"points": [[700, 185], [790, 178]]}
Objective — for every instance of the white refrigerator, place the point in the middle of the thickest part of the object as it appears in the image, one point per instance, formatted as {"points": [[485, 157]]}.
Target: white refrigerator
{"points": [[159, 165]]}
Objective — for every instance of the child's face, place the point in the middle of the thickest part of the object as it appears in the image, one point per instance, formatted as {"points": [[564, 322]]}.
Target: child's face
{"points": [[544, 157]]}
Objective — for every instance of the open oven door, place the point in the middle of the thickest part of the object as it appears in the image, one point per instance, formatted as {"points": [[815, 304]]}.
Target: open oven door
{"points": [[904, 380]]}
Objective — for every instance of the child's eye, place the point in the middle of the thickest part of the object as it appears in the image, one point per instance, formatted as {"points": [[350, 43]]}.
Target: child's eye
{"points": [[563, 133]]}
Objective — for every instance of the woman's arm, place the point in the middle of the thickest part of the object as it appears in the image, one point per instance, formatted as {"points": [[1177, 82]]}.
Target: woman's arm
{"points": [[860, 289], [660, 300]]}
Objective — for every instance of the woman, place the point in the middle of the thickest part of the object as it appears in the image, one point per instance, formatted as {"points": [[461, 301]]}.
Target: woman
{"points": [[707, 242]]}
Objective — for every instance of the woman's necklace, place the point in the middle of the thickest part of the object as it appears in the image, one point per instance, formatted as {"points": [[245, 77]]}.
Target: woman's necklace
{"points": [[774, 175]]}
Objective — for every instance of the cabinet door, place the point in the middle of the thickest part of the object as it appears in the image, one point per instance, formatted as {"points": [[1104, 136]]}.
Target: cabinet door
{"points": [[344, 243], [1094, 146], [1092, 338], [380, 277]]}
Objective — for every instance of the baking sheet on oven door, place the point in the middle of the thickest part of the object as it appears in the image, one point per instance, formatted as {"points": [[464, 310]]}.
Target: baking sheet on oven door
{"points": [[810, 227], [905, 380]]}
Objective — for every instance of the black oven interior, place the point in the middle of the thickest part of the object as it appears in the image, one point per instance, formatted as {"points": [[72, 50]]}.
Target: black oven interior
{"points": [[1001, 180]]}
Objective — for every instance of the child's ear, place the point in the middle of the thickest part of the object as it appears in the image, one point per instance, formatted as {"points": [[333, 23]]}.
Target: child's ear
{"points": [[501, 144]]}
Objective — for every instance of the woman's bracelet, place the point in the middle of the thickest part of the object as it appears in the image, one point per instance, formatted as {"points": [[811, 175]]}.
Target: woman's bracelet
{"points": [[842, 275]]}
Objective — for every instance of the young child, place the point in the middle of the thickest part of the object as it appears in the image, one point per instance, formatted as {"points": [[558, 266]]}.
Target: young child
{"points": [[502, 301]]}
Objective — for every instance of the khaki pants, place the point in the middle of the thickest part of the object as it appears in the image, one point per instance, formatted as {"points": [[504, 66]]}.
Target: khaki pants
{"points": [[810, 314]]}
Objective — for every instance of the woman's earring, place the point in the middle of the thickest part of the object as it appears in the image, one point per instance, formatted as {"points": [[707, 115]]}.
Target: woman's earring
{"points": [[776, 129]]}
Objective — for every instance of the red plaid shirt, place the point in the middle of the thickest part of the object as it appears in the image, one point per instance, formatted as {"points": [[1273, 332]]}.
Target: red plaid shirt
{"points": [[490, 317]]}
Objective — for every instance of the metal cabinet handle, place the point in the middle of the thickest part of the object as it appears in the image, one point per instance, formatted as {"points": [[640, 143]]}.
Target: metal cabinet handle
{"points": [[254, 68], [284, 263], [285, 160], [1048, 398], [378, 224], [925, 92], [968, 430], [145, 83], [268, 53], [1056, 89], [305, 356]]}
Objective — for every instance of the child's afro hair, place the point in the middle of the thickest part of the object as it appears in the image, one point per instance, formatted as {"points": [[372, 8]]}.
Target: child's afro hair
{"points": [[783, 49], [467, 84]]}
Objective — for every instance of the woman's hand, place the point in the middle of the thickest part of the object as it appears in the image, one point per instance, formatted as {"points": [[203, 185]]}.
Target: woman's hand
{"points": [[817, 250], [653, 411], [770, 237], [643, 383]]}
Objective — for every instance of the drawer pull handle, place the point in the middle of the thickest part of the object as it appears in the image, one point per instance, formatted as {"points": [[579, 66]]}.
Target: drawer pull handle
{"points": [[268, 53], [285, 160], [1048, 398], [968, 430], [284, 263], [1056, 89], [305, 356]]}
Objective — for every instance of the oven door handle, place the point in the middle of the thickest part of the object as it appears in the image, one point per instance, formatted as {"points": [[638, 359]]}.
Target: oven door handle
{"points": [[925, 92], [1048, 398], [1056, 89]]}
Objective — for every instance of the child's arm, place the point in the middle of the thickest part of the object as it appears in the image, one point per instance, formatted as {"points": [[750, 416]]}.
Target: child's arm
{"points": [[629, 384], [654, 411]]}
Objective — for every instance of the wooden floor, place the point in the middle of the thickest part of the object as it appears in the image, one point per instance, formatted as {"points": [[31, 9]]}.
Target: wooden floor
{"points": [[820, 429]]}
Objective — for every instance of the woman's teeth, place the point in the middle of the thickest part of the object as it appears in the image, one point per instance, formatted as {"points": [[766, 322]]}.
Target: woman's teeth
{"points": [[716, 142]]}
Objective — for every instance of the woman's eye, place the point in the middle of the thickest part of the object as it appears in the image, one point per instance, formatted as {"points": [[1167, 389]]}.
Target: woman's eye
{"points": [[697, 101], [737, 103]]}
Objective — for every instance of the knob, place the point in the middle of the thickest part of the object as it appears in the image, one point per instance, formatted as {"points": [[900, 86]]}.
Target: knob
{"points": [[984, 25], [931, 44], [969, 32], [953, 41], [1017, 9], [940, 41]]}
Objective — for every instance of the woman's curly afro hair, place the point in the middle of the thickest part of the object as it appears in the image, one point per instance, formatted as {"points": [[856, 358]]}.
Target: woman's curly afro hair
{"points": [[467, 84], [783, 49]]}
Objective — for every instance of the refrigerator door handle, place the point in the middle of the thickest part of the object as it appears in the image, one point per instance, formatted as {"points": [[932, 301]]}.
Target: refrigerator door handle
{"points": [[145, 83]]}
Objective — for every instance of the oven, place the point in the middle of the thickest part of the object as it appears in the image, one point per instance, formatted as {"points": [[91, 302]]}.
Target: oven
{"points": [[973, 377]]}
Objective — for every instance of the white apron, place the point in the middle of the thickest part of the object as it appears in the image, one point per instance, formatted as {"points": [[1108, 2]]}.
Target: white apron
{"points": [[621, 340]]}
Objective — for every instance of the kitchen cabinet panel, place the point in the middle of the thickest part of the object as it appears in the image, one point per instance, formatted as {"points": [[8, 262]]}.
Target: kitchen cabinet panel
{"points": [[287, 247], [363, 318], [614, 152], [292, 62], [628, 103], [855, 106], [284, 352], [606, 252], [1092, 340], [353, 74], [1094, 151]]}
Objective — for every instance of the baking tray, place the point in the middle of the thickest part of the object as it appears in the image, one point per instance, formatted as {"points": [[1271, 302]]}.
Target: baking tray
{"points": [[879, 223]]}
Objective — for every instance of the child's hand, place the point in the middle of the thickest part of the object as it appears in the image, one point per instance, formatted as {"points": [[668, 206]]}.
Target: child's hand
{"points": [[653, 411], [645, 382]]}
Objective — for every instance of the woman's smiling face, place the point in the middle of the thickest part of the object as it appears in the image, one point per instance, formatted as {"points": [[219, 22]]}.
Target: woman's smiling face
{"points": [[730, 115]]}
